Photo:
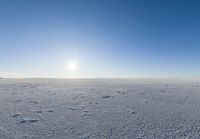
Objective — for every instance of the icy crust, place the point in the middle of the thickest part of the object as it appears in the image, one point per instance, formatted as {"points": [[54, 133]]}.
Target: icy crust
{"points": [[99, 108]]}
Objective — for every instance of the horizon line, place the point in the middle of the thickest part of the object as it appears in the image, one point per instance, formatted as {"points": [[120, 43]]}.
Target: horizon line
{"points": [[99, 77]]}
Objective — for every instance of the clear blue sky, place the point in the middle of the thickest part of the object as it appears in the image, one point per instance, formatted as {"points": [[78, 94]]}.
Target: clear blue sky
{"points": [[106, 38]]}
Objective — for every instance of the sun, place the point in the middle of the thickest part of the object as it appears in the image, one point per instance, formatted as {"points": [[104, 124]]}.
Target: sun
{"points": [[72, 65]]}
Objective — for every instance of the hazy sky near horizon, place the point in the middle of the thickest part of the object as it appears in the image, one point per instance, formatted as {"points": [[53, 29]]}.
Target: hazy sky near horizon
{"points": [[105, 38]]}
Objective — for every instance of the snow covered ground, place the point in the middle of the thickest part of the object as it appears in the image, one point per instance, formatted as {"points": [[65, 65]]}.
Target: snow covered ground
{"points": [[99, 108]]}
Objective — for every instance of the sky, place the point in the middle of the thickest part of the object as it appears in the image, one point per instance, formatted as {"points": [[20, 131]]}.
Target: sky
{"points": [[100, 38]]}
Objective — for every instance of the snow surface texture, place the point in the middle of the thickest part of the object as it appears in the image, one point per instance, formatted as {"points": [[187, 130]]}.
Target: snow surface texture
{"points": [[99, 109]]}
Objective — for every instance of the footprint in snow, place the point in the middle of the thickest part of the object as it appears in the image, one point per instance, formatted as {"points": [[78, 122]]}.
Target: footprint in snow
{"points": [[131, 111], [38, 111], [33, 120], [72, 108], [17, 101], [16, 115], [121, 92], [163, 91], [50, 111], [86, 111], [85, 114], [13, 93], [35, 102], [25, 120], [106, 96], [23, 86]]}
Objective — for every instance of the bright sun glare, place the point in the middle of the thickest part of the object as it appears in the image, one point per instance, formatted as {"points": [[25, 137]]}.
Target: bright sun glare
{"points": [[72, 65]]}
